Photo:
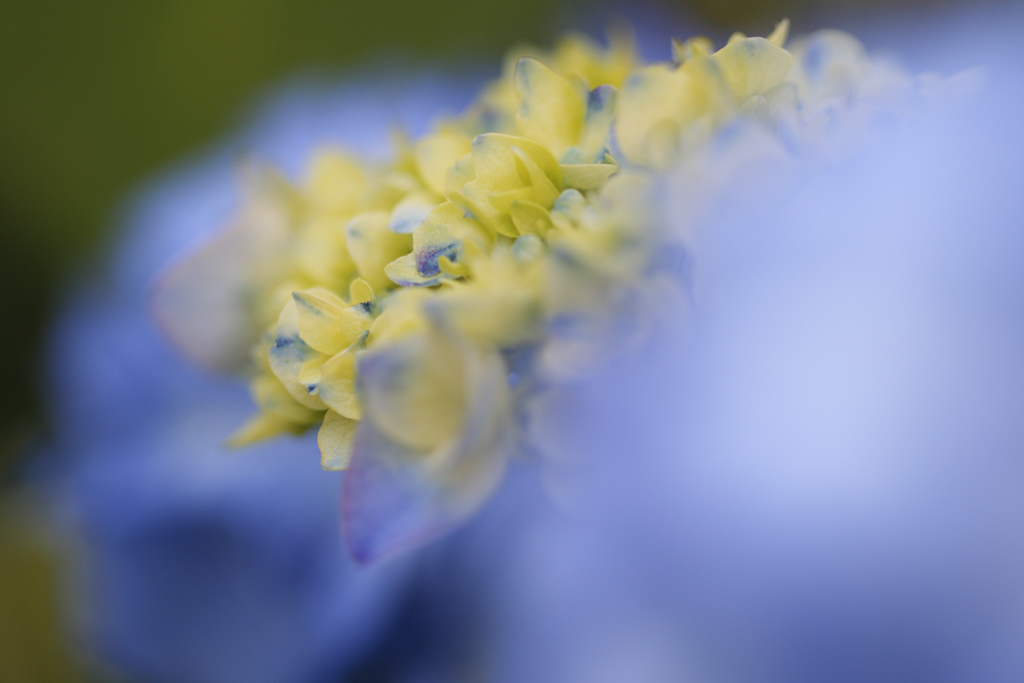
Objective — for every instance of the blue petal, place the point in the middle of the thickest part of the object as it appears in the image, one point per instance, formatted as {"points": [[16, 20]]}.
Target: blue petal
{"points": [[389, 505]]}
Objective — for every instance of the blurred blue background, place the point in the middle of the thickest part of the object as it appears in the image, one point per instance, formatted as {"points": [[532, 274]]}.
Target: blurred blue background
{"points": [[97, 98]]}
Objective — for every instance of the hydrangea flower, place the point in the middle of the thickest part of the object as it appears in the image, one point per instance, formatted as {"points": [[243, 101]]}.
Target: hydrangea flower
{"points": [[419, 310], [813, 473], [201, 564]]}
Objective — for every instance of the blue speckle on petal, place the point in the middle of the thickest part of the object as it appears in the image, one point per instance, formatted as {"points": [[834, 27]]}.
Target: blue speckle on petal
{"points": [[426, 260]]}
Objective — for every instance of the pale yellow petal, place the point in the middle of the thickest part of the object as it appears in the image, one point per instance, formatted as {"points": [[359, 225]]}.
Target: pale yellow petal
{"points": [[414, 390], [694, 48], [502, 201], [652, 97], [551, 110], [586, 176], [360, 292], [271, 396], [460, 173], [530, 218], [320, 320], [752, 66], [337, 386], [336, 183], [410, 212], [780, 34], [335, 441], [373, 246], [475, 200], [602, 105], [435, 155], [544, 190], [320, 251], [494, 163], [309, 373]]}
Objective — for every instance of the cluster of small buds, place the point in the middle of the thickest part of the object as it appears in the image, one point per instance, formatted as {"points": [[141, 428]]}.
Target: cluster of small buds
{"points": [[410, 310]]}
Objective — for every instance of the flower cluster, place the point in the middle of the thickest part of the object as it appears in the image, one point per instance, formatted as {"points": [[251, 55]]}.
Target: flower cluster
{"points": [[414, 309]]}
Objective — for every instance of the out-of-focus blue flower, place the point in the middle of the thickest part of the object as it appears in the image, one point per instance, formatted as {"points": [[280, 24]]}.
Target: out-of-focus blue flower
{"points": [[203, 564], [820, 476]]}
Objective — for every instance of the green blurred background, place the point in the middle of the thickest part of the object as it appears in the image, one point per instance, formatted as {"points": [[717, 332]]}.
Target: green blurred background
{"points": [[94, 96]]}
